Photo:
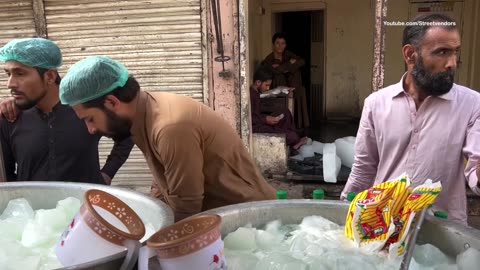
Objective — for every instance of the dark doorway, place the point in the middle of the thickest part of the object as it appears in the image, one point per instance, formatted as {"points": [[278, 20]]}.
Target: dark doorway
{"points": [[305, 37], [296, 26]]}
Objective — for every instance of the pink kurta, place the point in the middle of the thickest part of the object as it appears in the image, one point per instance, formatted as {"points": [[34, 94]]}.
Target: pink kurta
{"points": [[431, 142]]}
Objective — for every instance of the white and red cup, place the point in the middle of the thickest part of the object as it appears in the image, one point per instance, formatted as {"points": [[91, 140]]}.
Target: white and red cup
{"points": [[190, 244], [104, 226]]}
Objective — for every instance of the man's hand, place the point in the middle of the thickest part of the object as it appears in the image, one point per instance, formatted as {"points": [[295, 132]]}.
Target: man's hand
{"points": [[8, 109], [272, 120], [293, 60], [275, 65], [290, 92], [106, 178]]}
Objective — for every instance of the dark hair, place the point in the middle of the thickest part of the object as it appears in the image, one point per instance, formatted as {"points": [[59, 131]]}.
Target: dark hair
{"points": [[278, 36], [415, 33], [42, 71], [262, 74], [124, 93]]}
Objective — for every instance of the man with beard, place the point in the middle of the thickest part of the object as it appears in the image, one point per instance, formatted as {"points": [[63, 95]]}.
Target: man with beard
{"points": [[280, 122], [425, 125], [197, 159], [46, 141]]}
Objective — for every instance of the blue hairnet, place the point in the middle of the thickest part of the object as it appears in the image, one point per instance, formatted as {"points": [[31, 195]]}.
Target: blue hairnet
{"points": [[91, 78], [34, 52]]}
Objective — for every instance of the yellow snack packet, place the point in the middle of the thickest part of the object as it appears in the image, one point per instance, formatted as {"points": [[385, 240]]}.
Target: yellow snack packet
{"points": [[368, 220], [420, 198], [399, 195]]}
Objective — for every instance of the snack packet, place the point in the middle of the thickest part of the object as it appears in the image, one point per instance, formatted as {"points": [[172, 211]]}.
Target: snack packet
{"points": [[399, 198], [368, 220], [420, 198]]}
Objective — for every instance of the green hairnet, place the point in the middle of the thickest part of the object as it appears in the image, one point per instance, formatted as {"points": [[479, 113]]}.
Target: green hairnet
{"points": [[34, 52], [91, 78]]}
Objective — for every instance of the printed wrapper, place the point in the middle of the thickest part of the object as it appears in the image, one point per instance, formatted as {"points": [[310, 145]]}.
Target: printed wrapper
{"points": [[396, 206], [380, 218], [400, 192], [421, 197], [368, 224]]}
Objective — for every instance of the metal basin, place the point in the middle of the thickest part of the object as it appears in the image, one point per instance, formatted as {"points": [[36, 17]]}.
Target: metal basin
{"points": [[448, 236], [44, 195]]}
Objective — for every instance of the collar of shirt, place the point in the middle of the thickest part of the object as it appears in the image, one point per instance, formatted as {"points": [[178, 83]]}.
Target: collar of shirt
{"points": [[398, 89], [252, 89], [59, 107], [139, 122]]}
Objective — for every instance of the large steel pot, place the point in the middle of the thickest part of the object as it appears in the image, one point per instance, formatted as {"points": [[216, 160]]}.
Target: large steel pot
{"points": [[448, 236], [44, 195]]}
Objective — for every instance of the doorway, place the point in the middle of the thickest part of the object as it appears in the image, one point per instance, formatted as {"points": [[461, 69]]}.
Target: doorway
{"points": [[305, 37]]}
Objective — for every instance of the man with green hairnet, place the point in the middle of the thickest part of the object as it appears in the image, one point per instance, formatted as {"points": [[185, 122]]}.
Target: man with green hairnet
{"points": [[197, 159], [45, 141]]}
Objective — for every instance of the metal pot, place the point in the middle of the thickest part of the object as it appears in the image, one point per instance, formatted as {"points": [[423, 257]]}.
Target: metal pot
{"points": [[44, 195], [450, 237]]}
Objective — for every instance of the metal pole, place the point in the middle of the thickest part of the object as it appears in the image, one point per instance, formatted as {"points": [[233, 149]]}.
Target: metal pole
{"points": [[379, 44], [407, 257]]}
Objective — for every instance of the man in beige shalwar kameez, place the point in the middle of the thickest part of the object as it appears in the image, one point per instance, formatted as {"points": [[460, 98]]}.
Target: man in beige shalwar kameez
{"points": [[197, 159]]}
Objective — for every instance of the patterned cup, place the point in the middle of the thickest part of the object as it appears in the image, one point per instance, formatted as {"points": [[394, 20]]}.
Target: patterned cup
{"points": [[191, 244], [103, 226]]}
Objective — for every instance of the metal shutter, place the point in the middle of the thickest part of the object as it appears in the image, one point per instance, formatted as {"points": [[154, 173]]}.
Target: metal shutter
{"points": [[16, 21], [159, 41]]}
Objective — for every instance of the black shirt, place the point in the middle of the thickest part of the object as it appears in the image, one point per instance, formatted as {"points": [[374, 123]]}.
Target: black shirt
{"points": [[56, 147]]}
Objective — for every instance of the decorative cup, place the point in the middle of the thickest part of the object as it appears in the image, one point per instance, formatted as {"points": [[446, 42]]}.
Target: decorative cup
{"points": [[103, 226], [192, 244]]}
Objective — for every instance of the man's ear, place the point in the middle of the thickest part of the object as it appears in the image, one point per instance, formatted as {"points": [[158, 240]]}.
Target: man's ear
{"points": [[112, 102], [50, 76], [257, 83], [409, 54]]}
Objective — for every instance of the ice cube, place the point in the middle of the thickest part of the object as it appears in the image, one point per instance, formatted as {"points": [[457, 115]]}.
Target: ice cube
{"points": [[331, 163], [12, 228], [15, 256], [280, 261], [267, 240], [414, 265], [54, 219], [317, 225], [469, 259], [345, 151], [318, 244], [241, 239], [69, 207], [317, 147], [49, 260], [273, 226], [31, 262], [298, 157], [19, 208], [309, 141], [306, 151], [240, 260], [429, 255], [37, 235]]}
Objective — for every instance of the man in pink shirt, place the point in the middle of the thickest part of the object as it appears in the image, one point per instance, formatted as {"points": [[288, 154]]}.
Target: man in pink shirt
{"points": [[425, 125]]}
